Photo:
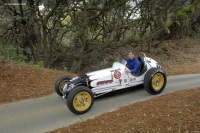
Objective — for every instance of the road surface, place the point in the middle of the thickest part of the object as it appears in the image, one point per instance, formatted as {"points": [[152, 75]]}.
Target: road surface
{"points": [[50, 112]]}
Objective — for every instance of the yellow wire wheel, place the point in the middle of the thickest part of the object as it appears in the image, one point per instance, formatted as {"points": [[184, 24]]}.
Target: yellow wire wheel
{"points": [[82, 101], [158, 81]]}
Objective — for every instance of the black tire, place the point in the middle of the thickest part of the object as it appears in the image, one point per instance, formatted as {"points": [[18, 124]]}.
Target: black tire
{"points": [[76, 96], [59, 84], [152, 75]]}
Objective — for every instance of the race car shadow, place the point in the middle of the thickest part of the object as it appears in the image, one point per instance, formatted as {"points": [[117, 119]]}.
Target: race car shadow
{"points": [[121, 92]]}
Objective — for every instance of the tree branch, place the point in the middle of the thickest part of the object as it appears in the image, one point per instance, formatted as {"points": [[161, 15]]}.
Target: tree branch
{"points": [[52, 11]]}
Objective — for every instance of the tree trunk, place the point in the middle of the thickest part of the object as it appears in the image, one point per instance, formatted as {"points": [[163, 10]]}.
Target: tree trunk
{"points": [[45, 46], [78, 59], [76, 65]]}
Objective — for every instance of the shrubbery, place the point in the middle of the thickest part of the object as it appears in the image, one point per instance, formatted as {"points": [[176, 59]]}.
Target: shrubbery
{"points": [[10, 53]]}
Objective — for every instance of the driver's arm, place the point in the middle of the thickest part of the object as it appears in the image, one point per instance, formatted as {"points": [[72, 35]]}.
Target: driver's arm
{"points": [[135, 69]]}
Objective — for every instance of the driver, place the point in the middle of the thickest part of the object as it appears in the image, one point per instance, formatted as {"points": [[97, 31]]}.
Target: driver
{"points": [[133, 64]]}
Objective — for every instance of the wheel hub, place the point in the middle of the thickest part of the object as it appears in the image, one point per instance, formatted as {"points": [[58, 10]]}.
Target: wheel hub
{"points": [[62, 84], [82, 101], [158, 81]]}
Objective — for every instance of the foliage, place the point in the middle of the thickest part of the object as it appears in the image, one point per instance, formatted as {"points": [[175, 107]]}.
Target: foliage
{"points": [[65, 70], [21, 58], [10, 52], [40, 64]]}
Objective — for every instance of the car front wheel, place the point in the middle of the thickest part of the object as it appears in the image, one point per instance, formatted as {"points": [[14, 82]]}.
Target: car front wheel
{"points": [[80, 100]]}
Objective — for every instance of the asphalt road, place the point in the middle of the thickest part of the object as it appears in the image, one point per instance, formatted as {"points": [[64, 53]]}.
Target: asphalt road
{"points": [[50, 112]]}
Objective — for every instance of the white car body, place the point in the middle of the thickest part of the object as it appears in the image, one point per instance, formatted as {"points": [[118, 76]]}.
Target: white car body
{"points": [[125, 80], [105, 81]]}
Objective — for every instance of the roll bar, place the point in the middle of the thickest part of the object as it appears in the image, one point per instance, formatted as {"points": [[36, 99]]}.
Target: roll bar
{"points": [[142, 53]]}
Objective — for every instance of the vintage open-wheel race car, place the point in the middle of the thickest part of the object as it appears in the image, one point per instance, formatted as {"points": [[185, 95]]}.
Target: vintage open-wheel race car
{"points": [[80, 91]]}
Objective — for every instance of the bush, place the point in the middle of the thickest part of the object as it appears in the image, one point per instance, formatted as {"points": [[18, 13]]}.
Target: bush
{"points": [[65, 70], [21, 58], [40, 64], [9, 52]]}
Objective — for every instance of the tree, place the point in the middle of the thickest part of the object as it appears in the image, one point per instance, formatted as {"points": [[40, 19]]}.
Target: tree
{"points": [[79, 32], [36, 29]]}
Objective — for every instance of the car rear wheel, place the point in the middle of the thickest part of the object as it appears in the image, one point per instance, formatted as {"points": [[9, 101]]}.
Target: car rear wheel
{"points": [[155, 81], [80, 100], [60, 84]]}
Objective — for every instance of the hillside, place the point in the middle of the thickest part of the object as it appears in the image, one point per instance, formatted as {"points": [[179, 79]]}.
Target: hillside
{"points": [[178, 56], [19, 81]]}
